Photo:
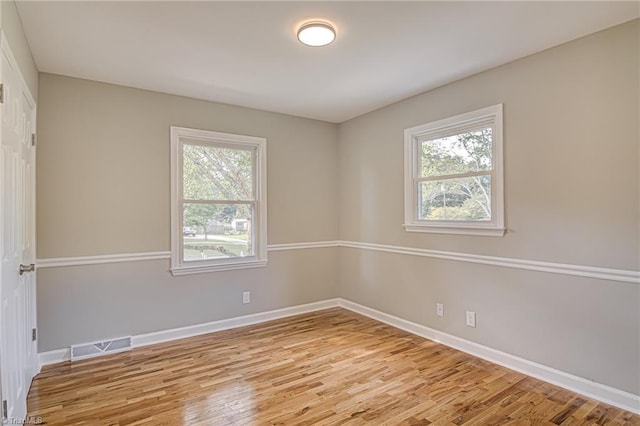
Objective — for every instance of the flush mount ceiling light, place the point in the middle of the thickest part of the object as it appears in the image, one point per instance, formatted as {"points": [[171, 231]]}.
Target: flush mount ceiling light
{"points": [[316, 33]]}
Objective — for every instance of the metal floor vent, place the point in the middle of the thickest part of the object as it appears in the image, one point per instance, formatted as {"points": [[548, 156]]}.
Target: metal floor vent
{"points": [[89, 350]]}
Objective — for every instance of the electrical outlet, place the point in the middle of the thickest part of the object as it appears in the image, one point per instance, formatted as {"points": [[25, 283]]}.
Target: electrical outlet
{"points": [[246, 297], [439, 309], [471, 319]]}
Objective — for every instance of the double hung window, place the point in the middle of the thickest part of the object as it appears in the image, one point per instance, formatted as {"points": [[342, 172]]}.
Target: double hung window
{"points": [[454, 176], [218, 201]]}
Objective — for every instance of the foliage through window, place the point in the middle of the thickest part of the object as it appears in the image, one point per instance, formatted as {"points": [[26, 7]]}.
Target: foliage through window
{"points": [[453, 174], [219, 205]]}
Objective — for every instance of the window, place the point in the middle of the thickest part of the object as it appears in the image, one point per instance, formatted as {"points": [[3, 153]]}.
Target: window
{"points": [[218, 201], [453, 175]]}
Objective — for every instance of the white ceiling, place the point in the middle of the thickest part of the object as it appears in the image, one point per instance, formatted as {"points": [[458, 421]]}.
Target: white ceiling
{"points": [[246, 53]]}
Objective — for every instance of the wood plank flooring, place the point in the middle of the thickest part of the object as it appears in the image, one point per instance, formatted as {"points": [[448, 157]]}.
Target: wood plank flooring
{"points": [[331, 367]]}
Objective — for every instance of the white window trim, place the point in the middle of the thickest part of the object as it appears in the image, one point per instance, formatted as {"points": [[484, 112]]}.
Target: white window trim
{"points": [[259, 259], [440, 128]]}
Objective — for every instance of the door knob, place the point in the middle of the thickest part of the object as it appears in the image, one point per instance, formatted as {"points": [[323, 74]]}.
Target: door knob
{"points": [[27, 268]]}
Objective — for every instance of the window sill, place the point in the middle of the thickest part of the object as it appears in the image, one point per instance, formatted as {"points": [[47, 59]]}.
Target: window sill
{"points": [[457, 230], [189, 270]]}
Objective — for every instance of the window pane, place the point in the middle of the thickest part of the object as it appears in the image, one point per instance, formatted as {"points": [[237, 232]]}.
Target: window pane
{"points": [[216, 231], [217, 173], [456, 199], [466, 152]]}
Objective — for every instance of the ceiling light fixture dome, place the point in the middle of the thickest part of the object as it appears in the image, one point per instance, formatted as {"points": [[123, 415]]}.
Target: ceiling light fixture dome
{"points": [[316, 33]]}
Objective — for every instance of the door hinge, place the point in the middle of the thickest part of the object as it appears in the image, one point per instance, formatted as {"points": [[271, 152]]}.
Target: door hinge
{"points": [[34, 334], [1, 93], [4, 409], [33, 139]]}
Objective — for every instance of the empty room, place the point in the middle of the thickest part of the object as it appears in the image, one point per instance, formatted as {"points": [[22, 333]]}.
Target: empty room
{"points": [[320, 213]]}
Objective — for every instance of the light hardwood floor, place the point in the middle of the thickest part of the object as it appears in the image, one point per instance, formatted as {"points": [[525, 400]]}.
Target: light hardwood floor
{"points": [[328, 367]]}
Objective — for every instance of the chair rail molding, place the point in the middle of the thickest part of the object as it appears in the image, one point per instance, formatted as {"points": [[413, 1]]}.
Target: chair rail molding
{"points": [[610, 274]]}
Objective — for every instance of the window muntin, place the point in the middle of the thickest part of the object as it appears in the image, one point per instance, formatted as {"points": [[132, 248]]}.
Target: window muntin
{"points": [[453, 175], [218, 201]]}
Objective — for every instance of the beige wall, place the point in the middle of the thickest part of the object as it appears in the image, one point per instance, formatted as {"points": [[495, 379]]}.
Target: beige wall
{"points": [[103, 187], [103, 167], [82, 304], [571, 156], [572, 196], [12, 29]]}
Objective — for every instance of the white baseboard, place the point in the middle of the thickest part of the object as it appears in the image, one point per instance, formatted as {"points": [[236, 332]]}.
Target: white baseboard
{"points": [[54, 357], [226, 324], [600, 392], [607, 394], [61, 355]]}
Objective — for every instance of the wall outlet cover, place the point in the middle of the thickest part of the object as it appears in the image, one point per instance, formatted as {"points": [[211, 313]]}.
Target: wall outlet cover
{"points": [[471, 319]]}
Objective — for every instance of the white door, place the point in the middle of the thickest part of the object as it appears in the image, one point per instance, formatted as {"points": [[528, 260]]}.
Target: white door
{"points": [[18, 357]]}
